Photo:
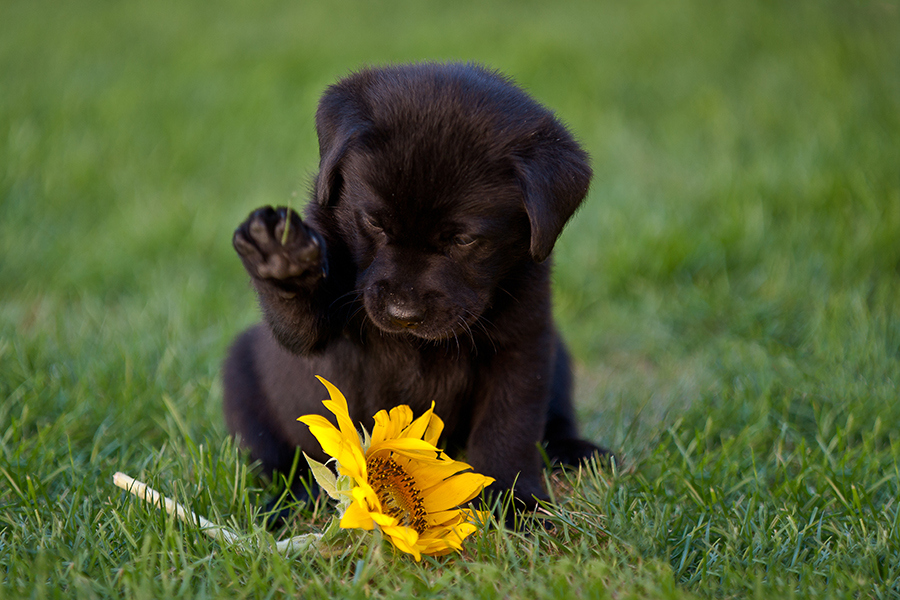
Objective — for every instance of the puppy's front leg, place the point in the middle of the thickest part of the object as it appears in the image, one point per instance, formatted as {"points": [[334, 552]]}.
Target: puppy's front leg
{"points": [[287, 261], [510, 411]]}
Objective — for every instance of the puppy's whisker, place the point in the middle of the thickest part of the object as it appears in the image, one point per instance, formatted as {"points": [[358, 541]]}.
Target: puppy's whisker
{"points": [[360, 307], [354, 315], [508, 293], [346, 298], [491, 340], [468, 330], [482, 324], [487, 334], [484, 321]]}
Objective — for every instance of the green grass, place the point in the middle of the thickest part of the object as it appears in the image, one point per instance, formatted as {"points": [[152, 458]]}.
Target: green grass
{"points": [[731, 290]]}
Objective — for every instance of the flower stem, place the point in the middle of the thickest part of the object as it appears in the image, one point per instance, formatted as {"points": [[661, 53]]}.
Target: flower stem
{"points": [[148, 494], [298, 543]]}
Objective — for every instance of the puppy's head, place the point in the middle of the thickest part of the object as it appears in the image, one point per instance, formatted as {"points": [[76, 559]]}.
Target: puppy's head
{"points": [[443, 180]]}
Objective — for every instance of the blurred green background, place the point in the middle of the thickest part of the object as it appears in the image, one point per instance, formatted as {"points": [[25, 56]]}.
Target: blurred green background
{"points": [[735, 269], [746, 163]]}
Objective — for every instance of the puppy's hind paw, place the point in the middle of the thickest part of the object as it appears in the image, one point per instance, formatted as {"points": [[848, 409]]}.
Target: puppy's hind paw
{"points": [[275, 244]]}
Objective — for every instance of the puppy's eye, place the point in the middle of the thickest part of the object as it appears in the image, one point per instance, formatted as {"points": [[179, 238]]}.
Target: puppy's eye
{"points": [[464, 240], [371, 222]]}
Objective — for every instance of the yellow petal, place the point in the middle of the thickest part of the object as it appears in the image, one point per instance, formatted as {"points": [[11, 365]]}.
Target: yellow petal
{"points": [[336, 396], [450, 537], [404, 538], [445, 518], [456, 516], [463, 530], [327, 434], [338, 406], [441, 552], [384, 520], [317, 421], [366, 495], [401, 415], [346, 450], [389, 425], [349, 457], [357, 517], [352, 463], [460, 533], [417, 428], [409, 446], [431, 473], [439, 546], [381, 429], [433, 431], [359, 513], [343, 419], [441, 543], [455, 491]]}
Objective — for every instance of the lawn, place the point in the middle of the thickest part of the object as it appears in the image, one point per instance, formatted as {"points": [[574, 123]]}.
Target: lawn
{"points": [[730, 291]]}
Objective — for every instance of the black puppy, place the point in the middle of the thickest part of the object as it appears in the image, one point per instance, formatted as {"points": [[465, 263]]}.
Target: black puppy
{"points": [[419, 274]]}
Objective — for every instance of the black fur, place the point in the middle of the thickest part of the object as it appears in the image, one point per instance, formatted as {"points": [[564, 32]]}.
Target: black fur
{"points": [[418, 274]]}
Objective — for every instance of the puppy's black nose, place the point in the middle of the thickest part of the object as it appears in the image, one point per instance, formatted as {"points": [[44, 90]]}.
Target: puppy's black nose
{"points": [[403, 315]]}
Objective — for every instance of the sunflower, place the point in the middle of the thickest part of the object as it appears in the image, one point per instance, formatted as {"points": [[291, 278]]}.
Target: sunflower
{"points": [[397, 479]]}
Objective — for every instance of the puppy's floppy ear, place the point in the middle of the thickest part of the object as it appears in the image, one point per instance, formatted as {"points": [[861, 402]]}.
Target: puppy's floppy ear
{"points": [[337, 122], [329, 180], [554, 174]]}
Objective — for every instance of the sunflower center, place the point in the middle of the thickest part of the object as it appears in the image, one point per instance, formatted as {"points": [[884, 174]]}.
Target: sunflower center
{"points": [[397, 491]]}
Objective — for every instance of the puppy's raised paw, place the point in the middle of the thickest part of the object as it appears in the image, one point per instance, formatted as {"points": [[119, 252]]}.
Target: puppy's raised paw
{"points": [[275, 244]]}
